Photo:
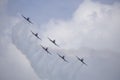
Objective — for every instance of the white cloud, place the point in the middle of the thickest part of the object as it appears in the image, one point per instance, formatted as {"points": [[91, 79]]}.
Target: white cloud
{"points": [[93, 25]]}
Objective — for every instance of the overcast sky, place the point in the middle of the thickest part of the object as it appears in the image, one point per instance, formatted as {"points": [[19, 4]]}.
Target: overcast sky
{"points": [[89, 29]]}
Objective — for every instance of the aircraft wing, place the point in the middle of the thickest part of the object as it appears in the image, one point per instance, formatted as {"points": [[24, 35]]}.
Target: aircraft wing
{"points": [[59, 55], [84, 63], [48, 52], [33, 33], [24, 17], [42, 47], [29, 21], [49, 39], [56, 44], [38, 37], [78, 58], [65, 60]]}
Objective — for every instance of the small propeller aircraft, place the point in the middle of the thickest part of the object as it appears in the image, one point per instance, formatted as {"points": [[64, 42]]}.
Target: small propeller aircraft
{"points": [[63, 57], [36, 35], [53, 41], [27, 18], [46, 49], [81, 59]]}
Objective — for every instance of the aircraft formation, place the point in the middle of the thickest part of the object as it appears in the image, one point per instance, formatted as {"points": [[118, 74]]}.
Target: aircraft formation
{"points": [[53, 42]]}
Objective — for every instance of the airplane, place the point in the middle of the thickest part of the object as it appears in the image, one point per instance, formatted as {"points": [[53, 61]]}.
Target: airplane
{"points": [[36, 34], [53, 41], [27, 18], [63, 57], [82, 60], [46, 49]]}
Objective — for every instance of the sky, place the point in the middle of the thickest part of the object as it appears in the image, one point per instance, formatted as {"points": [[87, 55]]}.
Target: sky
{"points": [[85, 28]]}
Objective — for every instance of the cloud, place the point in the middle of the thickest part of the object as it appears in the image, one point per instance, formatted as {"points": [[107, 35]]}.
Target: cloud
{"points": [[92, 32], [92, 25], [13, 65]]}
